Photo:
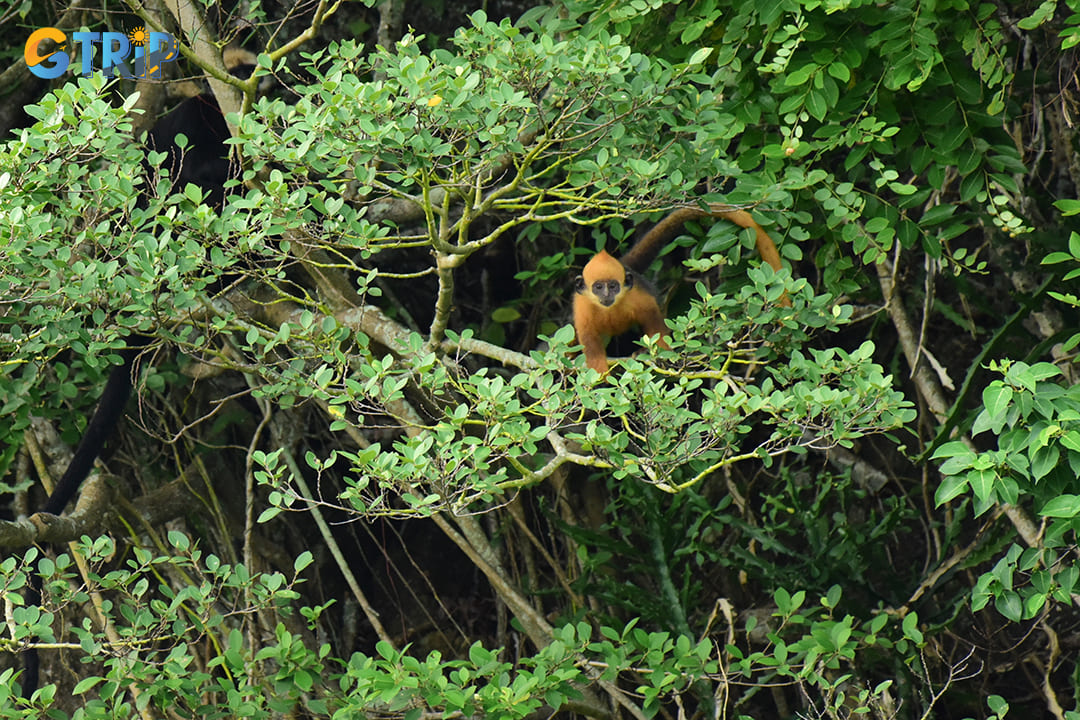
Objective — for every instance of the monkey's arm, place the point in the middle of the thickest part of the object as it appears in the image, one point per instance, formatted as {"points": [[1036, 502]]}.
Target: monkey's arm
{"points": [[595, 351], [589, 335]]}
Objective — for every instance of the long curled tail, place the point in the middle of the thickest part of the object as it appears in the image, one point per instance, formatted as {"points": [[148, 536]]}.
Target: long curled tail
{"points": [[639, 257]]}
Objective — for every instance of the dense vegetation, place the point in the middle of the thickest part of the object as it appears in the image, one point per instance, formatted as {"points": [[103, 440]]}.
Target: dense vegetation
{"points": [[365, 475]]}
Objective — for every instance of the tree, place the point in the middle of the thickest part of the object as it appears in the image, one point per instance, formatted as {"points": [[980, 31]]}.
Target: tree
{"points": [[329, 314]]}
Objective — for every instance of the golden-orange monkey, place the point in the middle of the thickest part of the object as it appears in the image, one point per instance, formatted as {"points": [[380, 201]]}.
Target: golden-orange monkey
{"points": [[611, 297]]}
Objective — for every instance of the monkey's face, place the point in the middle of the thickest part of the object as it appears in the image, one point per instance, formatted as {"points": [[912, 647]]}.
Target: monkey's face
{"points": [[604, 280], [606, 292]]}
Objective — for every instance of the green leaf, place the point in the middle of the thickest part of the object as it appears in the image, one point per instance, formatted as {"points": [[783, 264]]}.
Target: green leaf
{"points": [[269, 514], [693, 31], [302, 561], [1042, 13], [179, 540], [799, 76], [950, 487], [817, 104], [1057, 257], [1062, 506], [1068, 207], [997, 705], [996, 397], [970, 186], [699, 56], [937, 214], [910, 626], [505, 315], [1071, 440], [1010, 605], [952, 448], [982, 483], [86, 684], [1044, 460]]}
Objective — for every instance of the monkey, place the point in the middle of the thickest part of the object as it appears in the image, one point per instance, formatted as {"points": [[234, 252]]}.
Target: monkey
{"points": [[611, 297], [205, 160], [106, 415], [110, 407]]}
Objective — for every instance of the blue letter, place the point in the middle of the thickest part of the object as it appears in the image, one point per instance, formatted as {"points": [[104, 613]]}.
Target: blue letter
{"points": [[160, 49], [86, 41], [114, 50]]}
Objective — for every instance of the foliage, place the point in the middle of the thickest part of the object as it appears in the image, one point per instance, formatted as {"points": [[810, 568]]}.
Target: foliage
{"points": [[1038, 452], [145, 634], [154, 630], [372, 290]]}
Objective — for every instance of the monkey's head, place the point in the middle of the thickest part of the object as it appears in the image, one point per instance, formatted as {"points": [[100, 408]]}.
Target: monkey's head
{"points": [[604, 280]]}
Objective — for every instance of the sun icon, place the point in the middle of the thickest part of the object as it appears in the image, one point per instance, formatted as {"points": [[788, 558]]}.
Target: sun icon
{"points": [[138, 36]]}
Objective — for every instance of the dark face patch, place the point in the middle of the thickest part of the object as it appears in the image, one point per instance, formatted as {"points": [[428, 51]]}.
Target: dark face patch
{"points": [[606, 291]]}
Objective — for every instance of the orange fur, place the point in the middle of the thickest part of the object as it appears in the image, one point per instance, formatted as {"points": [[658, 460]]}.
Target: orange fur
{"points": [[608, 301], [597, 321], [641, 255], [596, 325], [765, 246]]}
